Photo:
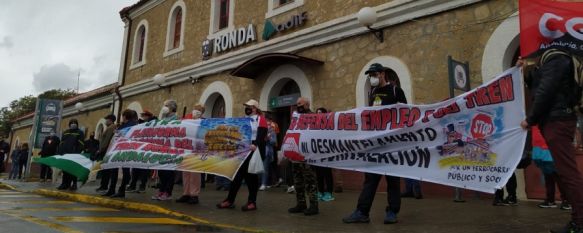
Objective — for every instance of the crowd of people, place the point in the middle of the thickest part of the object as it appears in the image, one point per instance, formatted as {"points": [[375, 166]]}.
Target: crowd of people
{"points": [[552, 120]]}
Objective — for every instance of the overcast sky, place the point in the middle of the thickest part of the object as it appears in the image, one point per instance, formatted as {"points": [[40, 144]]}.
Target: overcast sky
{"points": [[46, 44]]}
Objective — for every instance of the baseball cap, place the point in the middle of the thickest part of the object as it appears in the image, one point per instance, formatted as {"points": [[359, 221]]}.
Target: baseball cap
{"points": [[252, 102], [375, 67]]}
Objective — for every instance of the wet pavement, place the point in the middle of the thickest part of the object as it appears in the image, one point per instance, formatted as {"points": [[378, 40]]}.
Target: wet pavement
{"points": [[432, 214], [24, 212]]}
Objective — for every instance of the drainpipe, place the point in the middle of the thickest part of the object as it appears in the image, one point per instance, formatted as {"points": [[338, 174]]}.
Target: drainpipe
{"points": [[125, 17]]}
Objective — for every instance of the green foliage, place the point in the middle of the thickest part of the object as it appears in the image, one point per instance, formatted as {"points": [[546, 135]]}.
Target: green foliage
{"points": [[25, 105]]}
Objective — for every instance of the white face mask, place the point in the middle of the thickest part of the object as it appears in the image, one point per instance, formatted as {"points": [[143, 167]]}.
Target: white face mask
{"points": [[196, 114], [374, 81], [165, 110]]}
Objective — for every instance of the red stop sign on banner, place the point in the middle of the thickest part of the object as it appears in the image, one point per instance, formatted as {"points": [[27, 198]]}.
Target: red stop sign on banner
{"points": [[482, 126]]}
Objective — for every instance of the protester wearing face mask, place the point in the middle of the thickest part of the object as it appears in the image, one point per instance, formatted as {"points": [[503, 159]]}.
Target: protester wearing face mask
{"points": [[304, 176], [191, 180], [259, 133], [382, 93], [129, 118], [139, 174], [71, 143], [168, 113], [105, 141], [49, 148]]}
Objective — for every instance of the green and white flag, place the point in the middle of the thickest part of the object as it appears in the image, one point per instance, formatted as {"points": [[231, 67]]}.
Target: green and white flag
{"points": [[78, 165]]}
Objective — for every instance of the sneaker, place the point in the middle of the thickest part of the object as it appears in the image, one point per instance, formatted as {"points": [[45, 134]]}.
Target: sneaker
{"points": [[390, 218], [565, 205], [547, 204], [313, 210], [320, 196], [356, 217], [262, 188], [157, 196], [101, 189], [498, 202], [131, 189], [510, 200], [165, 197], [250, 206], [291, 189], [192, 200], [327, 197], [225, 205], [279, 182], [570, 228], [299, 208], [183, 199]]}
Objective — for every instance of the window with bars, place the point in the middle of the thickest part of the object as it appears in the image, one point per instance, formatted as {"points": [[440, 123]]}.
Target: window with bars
{"points": [[177, 28], [142, 43], [223, 14]]}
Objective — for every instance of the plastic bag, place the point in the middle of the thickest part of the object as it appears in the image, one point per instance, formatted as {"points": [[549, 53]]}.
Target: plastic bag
{"points": [[256, 164]]}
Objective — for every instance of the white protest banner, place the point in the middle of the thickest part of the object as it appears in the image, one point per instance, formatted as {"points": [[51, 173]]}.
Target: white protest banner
{"points": [[472, 141], [216, 146]]}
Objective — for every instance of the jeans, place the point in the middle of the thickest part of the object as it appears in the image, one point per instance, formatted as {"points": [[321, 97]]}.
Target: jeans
{"points": [[14, 171], [266, 165], [371, 182], [413, 186]]}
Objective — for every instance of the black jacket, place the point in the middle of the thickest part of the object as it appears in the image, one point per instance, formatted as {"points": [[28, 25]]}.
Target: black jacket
{"points": [[71, 142], [554, 91], [91, 147], [50, 149]]}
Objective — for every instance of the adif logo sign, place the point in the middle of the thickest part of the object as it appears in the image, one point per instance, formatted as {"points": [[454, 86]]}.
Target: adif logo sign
{"points": [[549, 21]]}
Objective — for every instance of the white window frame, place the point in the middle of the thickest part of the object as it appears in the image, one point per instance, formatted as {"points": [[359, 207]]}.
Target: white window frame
{"points": [[214, 20], [135, 47], [273, 9], [170, 29]]}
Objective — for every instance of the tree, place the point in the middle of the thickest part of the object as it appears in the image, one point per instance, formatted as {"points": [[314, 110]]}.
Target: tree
{"points": [[26, 105]]}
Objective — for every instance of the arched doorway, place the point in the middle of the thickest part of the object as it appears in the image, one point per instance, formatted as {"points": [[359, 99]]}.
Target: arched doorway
{"points": [[218, 107], [282, 104]]}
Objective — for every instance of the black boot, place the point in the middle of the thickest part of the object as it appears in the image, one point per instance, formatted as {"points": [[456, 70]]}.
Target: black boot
{"points": [[313, 210], [299, 208]]}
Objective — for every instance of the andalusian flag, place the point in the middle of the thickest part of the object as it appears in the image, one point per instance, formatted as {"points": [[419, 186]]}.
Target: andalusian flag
{"points": [[78, 165]]}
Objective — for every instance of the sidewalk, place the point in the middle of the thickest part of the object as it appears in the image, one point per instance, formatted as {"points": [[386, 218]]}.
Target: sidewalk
{"points": [[426, 215]]}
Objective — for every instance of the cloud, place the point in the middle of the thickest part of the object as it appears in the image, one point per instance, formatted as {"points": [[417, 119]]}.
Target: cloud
{"points": [[6, 42], [55, 77]]}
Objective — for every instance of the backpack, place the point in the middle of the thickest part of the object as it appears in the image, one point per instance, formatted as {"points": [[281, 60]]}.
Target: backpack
{"points": [[577, 73]]}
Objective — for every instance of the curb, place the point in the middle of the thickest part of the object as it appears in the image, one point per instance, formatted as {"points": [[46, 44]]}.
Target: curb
{"points": [[88, 199]]}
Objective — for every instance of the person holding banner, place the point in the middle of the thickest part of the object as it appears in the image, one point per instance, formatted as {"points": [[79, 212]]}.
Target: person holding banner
{"points": [[259, 133], [553, 110], [139, 174], [71, 143], [304, 176], [129, 118], [167, 177], [382, 93], [105, 140], [191, 180]]}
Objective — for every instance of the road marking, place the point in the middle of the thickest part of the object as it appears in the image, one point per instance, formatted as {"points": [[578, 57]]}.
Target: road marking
{"points": [[52, 225], [19, 196], [89, 209], [168, 221], [36, 202]]}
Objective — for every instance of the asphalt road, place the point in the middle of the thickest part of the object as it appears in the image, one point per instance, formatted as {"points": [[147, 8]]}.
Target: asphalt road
{"points": [[24, 213]]}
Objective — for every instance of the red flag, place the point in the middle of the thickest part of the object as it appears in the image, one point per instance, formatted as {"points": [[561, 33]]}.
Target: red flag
{"points": [[546, 23]]}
